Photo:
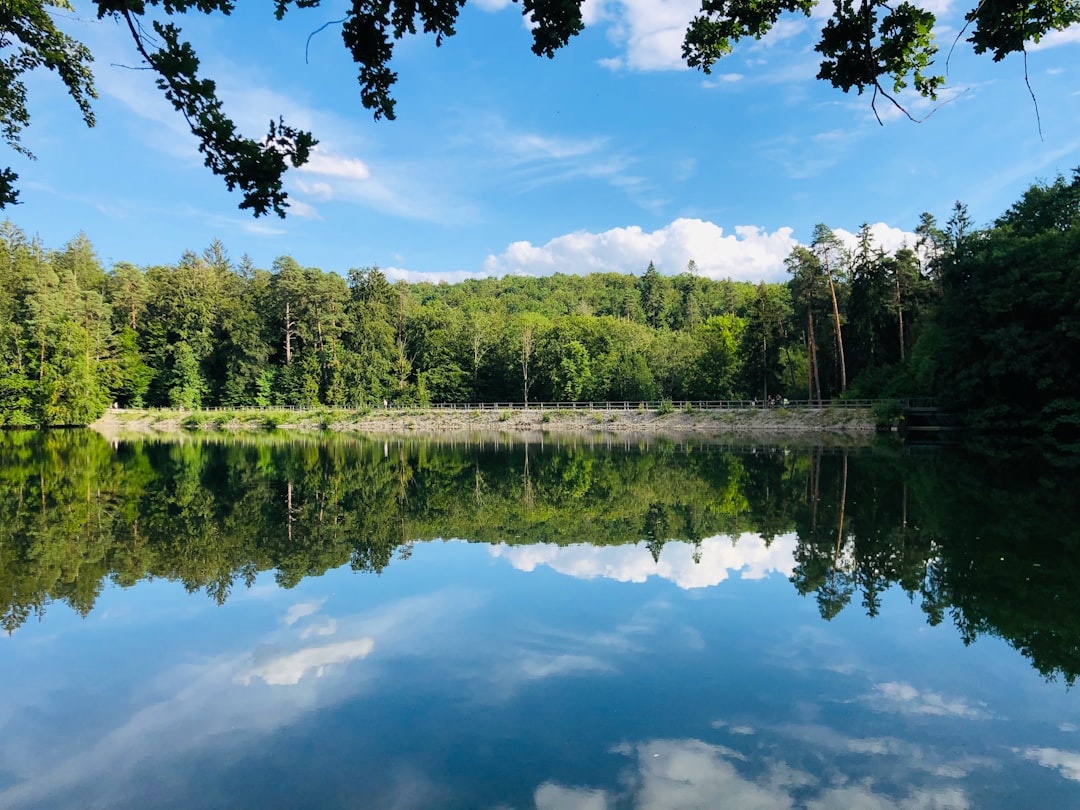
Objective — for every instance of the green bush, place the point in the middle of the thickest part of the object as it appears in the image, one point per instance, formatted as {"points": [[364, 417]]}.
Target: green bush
{"points": [[887, 413], [665, 407]]}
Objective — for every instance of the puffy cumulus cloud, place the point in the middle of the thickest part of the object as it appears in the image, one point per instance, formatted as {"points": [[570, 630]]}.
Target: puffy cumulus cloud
{"points": [[1067, 763], [648, 32], [719, 557], [904, 698], [288, 669], [748, 254], [882, 236]]}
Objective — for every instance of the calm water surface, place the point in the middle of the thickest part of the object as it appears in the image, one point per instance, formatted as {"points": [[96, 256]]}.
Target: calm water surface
{"points": [[354, 623]]}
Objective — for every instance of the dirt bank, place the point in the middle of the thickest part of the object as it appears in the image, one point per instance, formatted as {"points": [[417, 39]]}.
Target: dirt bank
{"points": [[440, 421]]}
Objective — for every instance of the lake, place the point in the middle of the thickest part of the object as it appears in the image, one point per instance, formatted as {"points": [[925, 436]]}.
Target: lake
{"points": [[328, 622]]}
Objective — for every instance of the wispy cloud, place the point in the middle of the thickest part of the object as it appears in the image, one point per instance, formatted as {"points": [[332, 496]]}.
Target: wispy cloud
{"points": [[903, 698]]}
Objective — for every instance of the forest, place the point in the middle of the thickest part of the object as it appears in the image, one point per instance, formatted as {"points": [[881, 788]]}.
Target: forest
{"points": [[985, 319]]}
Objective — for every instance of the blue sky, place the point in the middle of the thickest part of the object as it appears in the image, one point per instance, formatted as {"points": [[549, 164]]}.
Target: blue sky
{"points": [[607, 157]]}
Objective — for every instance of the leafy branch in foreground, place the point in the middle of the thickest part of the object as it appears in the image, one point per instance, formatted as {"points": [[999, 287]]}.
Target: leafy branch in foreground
{"points": [[866, 45]]}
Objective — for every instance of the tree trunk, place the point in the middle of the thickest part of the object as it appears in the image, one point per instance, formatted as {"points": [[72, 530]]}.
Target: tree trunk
{"points": [[288, 336], [839, 337], [900, 312]]}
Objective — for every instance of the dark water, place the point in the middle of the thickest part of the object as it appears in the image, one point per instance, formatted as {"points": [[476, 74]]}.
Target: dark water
{"points": [[344, 623]]}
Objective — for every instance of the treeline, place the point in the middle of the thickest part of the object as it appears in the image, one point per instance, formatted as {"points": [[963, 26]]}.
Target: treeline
{"points": [[986, 319], [955, 534]]}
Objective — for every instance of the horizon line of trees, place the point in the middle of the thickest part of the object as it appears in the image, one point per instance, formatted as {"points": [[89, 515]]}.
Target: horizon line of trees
{"points": [[988, 320]]}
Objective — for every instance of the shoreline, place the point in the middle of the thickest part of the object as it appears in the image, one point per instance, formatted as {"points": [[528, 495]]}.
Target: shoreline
{"points": [[433, 422]]}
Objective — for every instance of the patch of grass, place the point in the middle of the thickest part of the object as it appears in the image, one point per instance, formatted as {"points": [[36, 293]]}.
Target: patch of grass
{"points": [[665, 407], [613, 418], [597, 417], [688, 408], [546, 417], [195, 421], [505, 416]]}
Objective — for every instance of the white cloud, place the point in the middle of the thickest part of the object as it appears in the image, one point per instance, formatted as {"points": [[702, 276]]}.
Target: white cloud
{"points": [[1065, 762], [1070, 36], [327, 628], [882, 236], [897, 696], [649, 32], [550, 796], [719, 558], [319, 190], [302, 609], [290, 668], [749, 254], [299, 208], [337, 166], [722, 79]]}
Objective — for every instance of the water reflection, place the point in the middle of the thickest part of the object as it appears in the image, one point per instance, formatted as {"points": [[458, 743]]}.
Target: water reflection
{"points": [[615, 627], [990, 544]]}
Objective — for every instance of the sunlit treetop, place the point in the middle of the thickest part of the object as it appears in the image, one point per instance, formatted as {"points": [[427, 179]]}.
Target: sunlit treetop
{"points": [[869, 45]]}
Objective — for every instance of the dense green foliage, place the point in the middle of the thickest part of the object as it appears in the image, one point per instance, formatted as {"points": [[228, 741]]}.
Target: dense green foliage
{"points": [[207, 332], [989, 542], [871, 45], [1005, 347], [987, 320]]}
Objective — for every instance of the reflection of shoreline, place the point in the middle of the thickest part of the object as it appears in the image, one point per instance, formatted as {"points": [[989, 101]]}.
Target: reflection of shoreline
{"points": [[717, 558], [435, 422]]}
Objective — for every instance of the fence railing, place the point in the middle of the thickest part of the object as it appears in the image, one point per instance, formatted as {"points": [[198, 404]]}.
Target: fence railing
{"points": [[625, 405]]}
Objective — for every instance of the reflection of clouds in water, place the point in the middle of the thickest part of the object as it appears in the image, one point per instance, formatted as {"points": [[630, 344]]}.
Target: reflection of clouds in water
{"points": [[550, 796], [675, 774], [904, 698], [233, 696], [1067, 763], [689, 773], [907, 755], [301, 610], [534, 666], [289, 668], [326, 628], [862, 797], [719, 557]]}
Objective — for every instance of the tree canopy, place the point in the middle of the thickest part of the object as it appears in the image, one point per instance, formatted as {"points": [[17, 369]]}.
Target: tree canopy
{"points": [[869, 45]]}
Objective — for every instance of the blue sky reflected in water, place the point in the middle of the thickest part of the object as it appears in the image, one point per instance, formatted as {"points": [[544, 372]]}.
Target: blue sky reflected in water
{"points": [[535, 676]]}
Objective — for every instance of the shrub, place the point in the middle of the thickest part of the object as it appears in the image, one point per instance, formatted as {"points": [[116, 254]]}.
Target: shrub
{"points": [[887, 413], [665, 407]]}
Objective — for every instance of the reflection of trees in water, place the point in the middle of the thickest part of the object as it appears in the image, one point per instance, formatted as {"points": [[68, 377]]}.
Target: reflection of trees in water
{"points": [[991, 544]]}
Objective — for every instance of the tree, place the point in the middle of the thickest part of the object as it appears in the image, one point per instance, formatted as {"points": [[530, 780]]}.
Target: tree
{"points": [[869, 45], [831, 252]]}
